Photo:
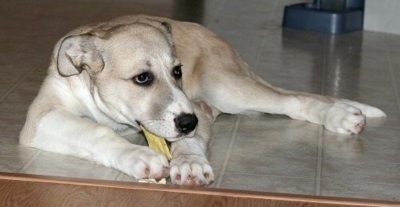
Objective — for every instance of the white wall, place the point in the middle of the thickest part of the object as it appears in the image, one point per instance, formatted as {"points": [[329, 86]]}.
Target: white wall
{"points": [[382, 16]]}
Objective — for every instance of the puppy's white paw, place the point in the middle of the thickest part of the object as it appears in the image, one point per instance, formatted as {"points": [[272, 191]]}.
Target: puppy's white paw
{"points": [[367, 110], [143, 162], [345, 119], [191, 170]]}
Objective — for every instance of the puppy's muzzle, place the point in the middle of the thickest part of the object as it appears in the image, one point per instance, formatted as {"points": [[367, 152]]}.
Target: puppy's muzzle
{"points": [[185, 123]]}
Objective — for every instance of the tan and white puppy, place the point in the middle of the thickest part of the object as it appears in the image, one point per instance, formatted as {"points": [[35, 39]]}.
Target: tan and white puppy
{"points": [[174, 78]]}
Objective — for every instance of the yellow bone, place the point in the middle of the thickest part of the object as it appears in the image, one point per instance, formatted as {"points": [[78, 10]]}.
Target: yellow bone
{"points": [[157, 143]]}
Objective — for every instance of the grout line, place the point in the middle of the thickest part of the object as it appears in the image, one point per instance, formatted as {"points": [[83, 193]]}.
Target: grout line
{"points": [[259, 53], [352, 181], [319, 162], [272, 175], [119, 177], [10, 90], [324, 66], [262, 46], [396, 91], [18, 83], [26, 166], [3, 96], [228, 154], [321, 128]]}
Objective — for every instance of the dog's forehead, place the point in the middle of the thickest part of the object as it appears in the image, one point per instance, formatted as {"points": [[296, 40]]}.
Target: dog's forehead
{"points": [[138, 36], [139, 48], [133, 35]]}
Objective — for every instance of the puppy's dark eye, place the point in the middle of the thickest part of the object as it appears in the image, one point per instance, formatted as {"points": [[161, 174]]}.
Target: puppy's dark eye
{"points": [[144, 79], [177, 72]]}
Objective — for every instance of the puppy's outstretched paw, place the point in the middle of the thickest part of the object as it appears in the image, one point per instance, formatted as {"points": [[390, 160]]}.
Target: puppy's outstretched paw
{"points": [[192, 170], [345, 119], [143, 162]]}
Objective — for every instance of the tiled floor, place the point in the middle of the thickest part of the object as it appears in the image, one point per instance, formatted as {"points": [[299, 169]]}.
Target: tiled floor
{"points": [[266, 153]]}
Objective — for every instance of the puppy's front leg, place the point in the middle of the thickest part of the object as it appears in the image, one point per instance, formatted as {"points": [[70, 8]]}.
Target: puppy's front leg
{"points": [[190, 165], [63, 132]]}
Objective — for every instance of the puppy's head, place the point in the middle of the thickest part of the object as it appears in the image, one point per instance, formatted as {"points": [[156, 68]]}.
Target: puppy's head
{"points": [[135, 76]]}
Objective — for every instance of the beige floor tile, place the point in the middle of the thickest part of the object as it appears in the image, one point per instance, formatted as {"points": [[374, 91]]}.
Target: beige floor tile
{"points": [[354, 189], [269, 183], [47, 163], [354, 170]]}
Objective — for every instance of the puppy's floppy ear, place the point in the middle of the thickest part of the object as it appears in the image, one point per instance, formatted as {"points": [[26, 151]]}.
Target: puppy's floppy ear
{"points": [[78, 53], [168, 32], [167, 27]]}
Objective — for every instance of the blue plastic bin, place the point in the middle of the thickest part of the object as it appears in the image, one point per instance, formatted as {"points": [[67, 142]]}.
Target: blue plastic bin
{"points": [[326, 16]]}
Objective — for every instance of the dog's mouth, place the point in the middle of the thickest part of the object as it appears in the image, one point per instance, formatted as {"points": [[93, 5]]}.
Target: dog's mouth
{"points": [[174, 139], [181, 126], [170, 137]]}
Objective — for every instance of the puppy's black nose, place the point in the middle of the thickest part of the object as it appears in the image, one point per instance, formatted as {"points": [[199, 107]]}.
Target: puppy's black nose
{"points": [[186, 123]]}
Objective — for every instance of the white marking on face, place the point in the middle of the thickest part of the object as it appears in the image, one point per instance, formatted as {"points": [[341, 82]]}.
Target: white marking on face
{"points": [[178, 103]]}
